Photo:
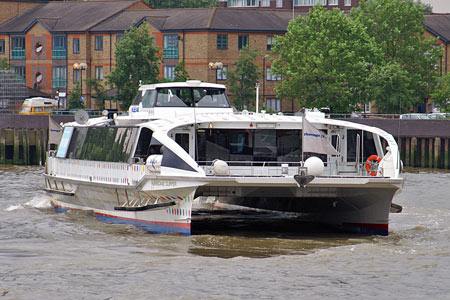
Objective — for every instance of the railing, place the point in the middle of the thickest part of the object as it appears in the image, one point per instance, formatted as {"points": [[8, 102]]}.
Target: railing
{"points": [[59, 53], [59, 83], [18, 53], [170, 53]]}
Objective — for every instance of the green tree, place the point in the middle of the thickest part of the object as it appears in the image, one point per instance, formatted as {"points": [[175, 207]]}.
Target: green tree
{"points": [[4, 64], [180, 72], [180, 3], [137, 59], [74, 101], [397, 27], [242, 78], [427, 8], [441, 94], [99, 92], [324, 61], [390, 84]]}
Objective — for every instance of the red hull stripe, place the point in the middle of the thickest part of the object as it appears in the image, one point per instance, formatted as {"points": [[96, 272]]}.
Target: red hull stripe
{"points": [[369, 225], [169, 224]]}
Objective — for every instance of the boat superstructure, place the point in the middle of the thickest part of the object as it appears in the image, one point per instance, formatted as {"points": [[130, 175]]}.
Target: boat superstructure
{"points": [[182, 141]]}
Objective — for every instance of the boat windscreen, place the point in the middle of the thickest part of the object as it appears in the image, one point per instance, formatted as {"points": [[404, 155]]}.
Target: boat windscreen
{"points": [[189, 97]]}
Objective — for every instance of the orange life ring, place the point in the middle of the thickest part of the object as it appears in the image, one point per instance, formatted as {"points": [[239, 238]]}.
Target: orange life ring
{"points": [[372, 164]]}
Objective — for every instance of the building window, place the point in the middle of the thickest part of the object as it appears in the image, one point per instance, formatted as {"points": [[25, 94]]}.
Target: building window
{"points": [[18, 48], [265, 3], [169, 72], [332, 2], [348, 2], [99, 43], [118, 38], [222, 73], [76, 46], [59, 47], [170, 49], [222, 41], [2, 46], [270, 42], [242, 41], [279, 3], [242, 3], [76, 76], [271, 77], [310, 2], [59, 77], [20, 70], [99, 72], [273, 104]]}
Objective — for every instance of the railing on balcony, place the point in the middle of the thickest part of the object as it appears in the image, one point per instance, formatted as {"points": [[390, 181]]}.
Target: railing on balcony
{"points": [[18, 53], [58, 83], [170, 53], [59, 53]]}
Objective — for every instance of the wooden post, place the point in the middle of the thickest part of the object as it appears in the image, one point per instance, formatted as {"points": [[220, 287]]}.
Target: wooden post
{"points": [[408, 152], [2, 146], [26, 146], [38, 155], [413, 151], [422, 152], [430, 153], [437, 153], [446, 166], [16, 142]]}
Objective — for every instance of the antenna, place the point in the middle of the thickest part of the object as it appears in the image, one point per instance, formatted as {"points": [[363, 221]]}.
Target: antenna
{"points": [[81, 117]]}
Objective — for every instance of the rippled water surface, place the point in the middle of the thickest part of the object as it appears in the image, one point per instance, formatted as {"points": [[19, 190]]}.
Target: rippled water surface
{"points": [[49, 255]]}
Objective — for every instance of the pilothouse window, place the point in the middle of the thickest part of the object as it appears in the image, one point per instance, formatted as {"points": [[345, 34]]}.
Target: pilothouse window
{"points": [[188, 97]]}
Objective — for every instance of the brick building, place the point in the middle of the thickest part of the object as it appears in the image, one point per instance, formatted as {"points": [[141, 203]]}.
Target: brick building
{"points": [[46, 42]]}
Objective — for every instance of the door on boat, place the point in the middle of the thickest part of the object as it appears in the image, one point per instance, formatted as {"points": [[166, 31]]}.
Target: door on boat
{"points": [[184, 138], [337, 136]]}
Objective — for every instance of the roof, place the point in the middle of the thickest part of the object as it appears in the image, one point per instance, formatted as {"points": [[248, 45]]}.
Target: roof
{"points": [[71, 16], [439, 25], [118, 16], [202, 19]]}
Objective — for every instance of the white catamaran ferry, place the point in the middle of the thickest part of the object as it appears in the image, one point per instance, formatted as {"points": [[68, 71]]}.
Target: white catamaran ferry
{"points": [[181, 141]]}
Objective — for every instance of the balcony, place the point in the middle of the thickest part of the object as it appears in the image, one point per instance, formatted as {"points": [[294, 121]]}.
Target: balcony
{"points": [[18, 53], [59, 53], [58, 83], [170, 53]]}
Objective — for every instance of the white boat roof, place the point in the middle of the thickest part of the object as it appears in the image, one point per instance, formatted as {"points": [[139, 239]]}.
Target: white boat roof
{"points": [[189, 83]]}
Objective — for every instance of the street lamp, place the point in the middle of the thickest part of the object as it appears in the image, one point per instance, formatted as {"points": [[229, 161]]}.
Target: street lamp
{"points": [[81, 67], [215, 66], [264, 81]]}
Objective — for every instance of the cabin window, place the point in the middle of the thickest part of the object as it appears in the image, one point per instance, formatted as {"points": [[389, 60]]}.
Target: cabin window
{"points": [[366, 145], [143, 145], [249, 145], [113, 144], [185, 97], [183, 140]]}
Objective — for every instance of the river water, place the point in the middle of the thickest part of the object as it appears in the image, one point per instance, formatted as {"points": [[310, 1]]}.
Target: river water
{"points": [[71, 255]]}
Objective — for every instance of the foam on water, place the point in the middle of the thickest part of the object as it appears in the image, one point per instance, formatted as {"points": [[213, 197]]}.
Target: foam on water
{"points": [[39, 202]]}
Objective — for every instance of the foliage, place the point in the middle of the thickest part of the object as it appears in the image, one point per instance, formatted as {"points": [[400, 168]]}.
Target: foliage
{"points": [[180, 3], [99, 93], [242, 78], [441, 94], [390, 84], [180, 72], [397, 27], [136, 59], [427, 8], [74, 101], [4, 64], [324, 60]]}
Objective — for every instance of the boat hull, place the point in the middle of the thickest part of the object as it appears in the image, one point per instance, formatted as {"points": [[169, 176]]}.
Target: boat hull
{"points": [[362, 206], [123, 205]]}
